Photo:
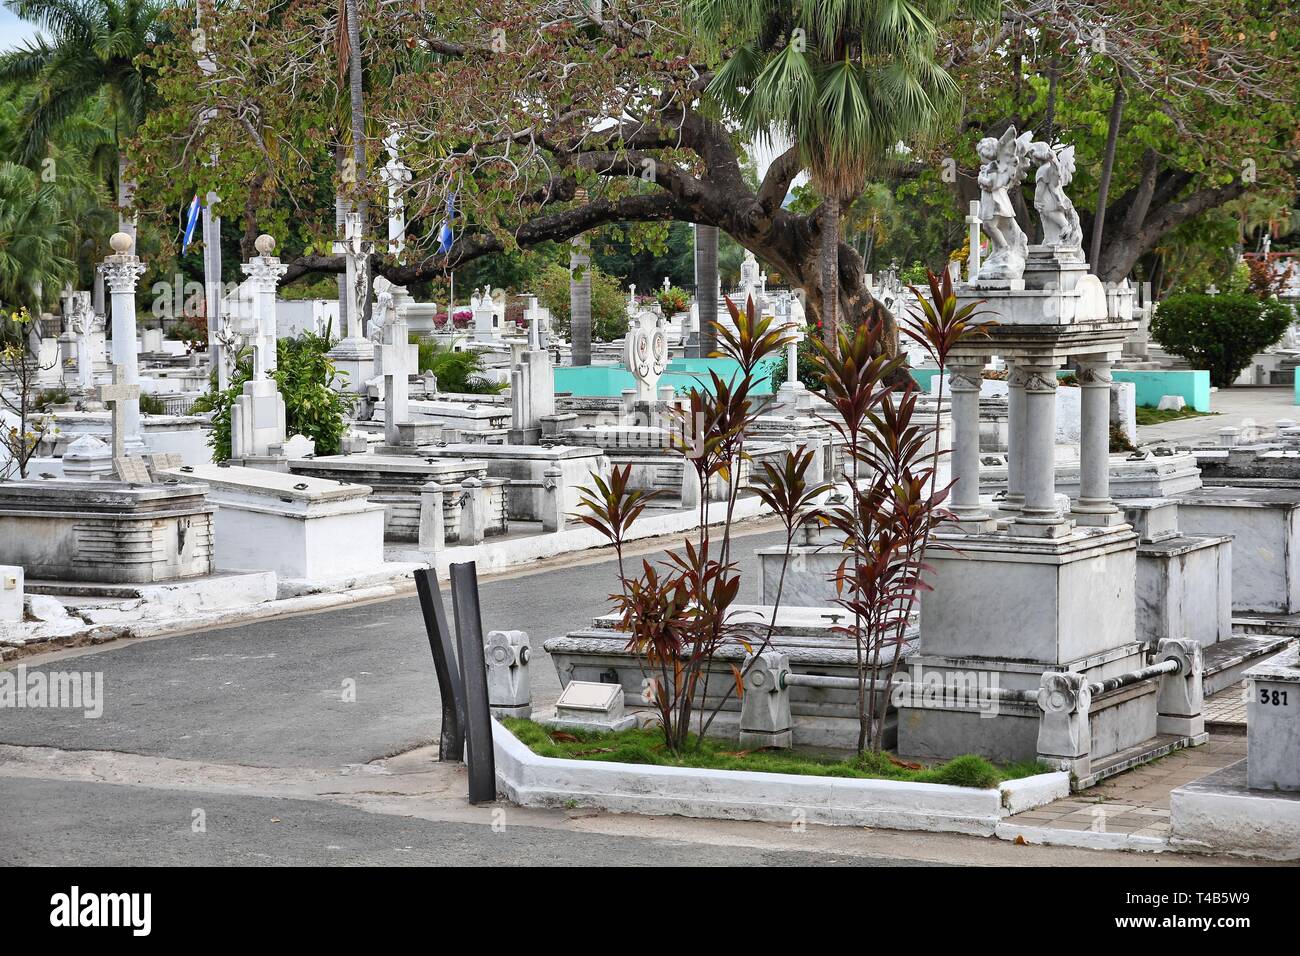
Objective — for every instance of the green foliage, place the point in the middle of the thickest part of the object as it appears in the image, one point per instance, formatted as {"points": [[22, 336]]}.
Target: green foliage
{"points": [[306, 377], [1219, 332], [673, 300], [809, 370], [646, 747], [152, 405], [53, 396], [608, 313], [1147, 415], [455, 371], [193, 332]]}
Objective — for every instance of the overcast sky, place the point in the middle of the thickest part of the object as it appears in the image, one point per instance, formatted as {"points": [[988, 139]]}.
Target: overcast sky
{"points": [[12, 30]]}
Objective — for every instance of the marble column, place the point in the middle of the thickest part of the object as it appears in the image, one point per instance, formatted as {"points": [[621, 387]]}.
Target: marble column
{"points": [[966, 378], [1094, 506], [121, 271], [1037, 453], [1015, 499]]}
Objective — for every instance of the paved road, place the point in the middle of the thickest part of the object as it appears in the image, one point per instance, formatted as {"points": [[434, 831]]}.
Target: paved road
{"points": [[133, 824], [1233, 407], [271, 694]]}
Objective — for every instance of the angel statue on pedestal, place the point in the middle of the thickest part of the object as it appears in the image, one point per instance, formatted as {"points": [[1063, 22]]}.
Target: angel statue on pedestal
{"points": [[1055, 172], [1005, 164]]}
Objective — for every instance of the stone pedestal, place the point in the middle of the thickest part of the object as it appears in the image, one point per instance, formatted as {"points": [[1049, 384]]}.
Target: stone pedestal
{"points": [[1264, 524], [1184, 582], [1004, 610], [1273, 723], [354, 360], [257, 420], [300, 528], [106, 531]]}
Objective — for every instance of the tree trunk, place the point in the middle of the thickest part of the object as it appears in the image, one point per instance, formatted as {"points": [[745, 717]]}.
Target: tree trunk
{"points": [[830, 271], [125, 221], [1107, 167], [580, 300], [340, 225], [706, 286], [358, 111]]}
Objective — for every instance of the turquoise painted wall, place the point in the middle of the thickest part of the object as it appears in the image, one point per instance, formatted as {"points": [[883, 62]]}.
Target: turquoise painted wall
{"points": [[1152, 385], [609, 381]]}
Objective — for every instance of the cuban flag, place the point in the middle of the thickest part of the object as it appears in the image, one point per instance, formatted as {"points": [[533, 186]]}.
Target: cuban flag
{"points": [[191, 221], [447, 235]]}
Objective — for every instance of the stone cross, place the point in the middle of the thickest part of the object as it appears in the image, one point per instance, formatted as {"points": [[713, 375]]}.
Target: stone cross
{"points": [[119, 395], [973, 258]]}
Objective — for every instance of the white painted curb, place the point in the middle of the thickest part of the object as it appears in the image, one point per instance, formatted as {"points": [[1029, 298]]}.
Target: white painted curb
{"points": [[534, 781]]}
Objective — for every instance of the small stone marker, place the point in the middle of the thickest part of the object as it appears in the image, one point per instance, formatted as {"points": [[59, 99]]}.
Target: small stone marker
{"points": [[1273, 723], [133, 470], [1172, 403], [587, 705]]}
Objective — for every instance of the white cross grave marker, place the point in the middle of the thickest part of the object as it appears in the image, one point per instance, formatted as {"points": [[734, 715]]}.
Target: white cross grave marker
{"points": [[116, 396]]}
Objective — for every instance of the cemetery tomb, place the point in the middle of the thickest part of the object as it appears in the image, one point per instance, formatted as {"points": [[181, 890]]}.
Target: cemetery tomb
{"points": [[298, 527], [106, 531]]}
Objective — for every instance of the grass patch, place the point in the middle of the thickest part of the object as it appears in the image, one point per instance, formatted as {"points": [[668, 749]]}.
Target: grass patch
{"points": [[1147, 415], [647, 747]]}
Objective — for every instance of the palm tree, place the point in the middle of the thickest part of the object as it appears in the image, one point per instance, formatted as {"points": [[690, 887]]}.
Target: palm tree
{"points": [[95, 46], [33, 236], [706, 286], [580, 301], [844, 80]]}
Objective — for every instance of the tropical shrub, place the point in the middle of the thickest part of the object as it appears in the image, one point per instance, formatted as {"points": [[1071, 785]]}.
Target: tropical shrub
{"points": [[308, 381], [608, 303], [455, 371], [673, 300], [676, 613], [1220, 333]]}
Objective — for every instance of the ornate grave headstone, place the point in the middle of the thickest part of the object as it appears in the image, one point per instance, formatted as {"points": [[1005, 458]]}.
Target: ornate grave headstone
{"points": [[645, 353]]}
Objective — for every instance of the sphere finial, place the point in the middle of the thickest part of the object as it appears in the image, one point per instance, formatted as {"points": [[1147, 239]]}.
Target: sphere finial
{"points": [[264, 244], [121, 243]]}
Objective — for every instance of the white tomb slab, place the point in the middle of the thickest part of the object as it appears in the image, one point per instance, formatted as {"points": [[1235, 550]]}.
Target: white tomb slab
{"points": [[298, 527]]}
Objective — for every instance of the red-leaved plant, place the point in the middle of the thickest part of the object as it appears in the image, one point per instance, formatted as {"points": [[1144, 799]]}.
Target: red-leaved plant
{"points": [[678, 613]]}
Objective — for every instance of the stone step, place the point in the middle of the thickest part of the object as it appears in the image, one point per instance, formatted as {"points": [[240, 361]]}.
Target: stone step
{"points": [[1161, 745], [1225, 661]]}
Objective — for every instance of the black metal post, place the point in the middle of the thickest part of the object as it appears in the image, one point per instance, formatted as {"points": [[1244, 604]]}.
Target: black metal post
{"points": [[451, 689], [478, 716]]}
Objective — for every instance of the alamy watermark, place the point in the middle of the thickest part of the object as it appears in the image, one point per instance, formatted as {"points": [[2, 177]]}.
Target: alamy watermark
{"points": [[64, 690]]}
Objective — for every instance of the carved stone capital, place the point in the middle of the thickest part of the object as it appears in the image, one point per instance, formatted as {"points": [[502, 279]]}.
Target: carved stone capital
{"points": [[1095, 373], [265, 271], [966, 378], [121, 273], [1040, 379]]}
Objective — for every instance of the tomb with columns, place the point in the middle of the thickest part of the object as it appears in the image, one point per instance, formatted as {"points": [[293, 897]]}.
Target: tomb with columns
{"points": [[1031, 584]]}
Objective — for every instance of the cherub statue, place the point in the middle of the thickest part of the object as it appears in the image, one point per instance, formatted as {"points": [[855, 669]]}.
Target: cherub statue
{"points": [[1055, 172], [1004, 168]]}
